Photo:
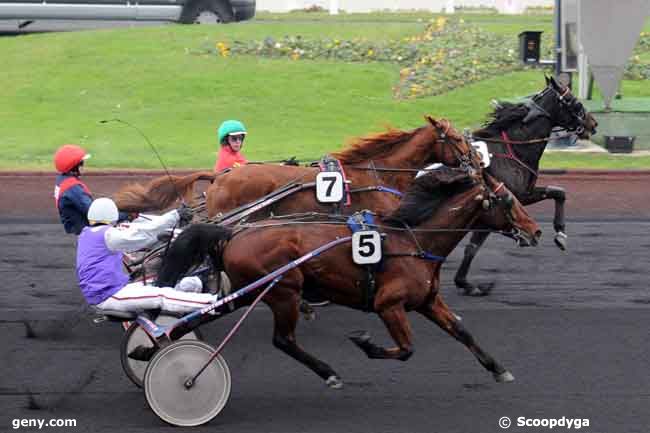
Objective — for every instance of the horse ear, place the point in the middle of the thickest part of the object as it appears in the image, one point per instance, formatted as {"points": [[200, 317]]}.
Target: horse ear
{"points": [[548, 80], [431, 120]]}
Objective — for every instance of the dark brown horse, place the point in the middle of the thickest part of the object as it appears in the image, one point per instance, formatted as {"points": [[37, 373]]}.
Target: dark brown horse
{"points": [[362, 161], [440, 206], [516, 137]]}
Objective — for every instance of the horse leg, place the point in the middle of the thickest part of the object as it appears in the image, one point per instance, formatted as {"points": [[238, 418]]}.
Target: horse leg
{"points": [[285, 307], [438, 312], [399, 328], [559, 196], [469, 289]]}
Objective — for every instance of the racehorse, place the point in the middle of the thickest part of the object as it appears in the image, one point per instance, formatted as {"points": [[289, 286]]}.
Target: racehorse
{"points": [[516, 138], [160, 193], [369, 162], [432, 217]]}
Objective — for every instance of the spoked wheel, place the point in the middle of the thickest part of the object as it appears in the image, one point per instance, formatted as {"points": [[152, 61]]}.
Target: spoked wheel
{"points": [[134, 337], [165, 383]]}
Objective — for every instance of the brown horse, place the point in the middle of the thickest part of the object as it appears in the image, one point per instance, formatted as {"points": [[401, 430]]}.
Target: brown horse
{"points": [[160, 193], [362, 161], [441, 205]]}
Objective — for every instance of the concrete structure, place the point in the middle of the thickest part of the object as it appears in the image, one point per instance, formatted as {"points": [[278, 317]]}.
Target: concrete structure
{"points": [[608, 33]]}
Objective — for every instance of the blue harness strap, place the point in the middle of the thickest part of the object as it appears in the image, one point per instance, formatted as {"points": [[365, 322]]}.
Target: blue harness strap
{"points": [[361, 221], [390, 190], [432, 257]]}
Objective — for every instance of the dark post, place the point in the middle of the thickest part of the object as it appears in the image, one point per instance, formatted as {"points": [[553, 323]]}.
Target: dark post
{"points": [[558, 37], [529, 46]]}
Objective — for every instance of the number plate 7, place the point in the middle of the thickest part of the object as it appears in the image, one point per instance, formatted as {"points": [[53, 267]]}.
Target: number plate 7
{"points": [[329, 187]]}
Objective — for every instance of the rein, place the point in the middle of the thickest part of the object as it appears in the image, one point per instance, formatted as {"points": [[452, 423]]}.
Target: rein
{"points": [[412, 170], [294, 219], [533, 141]]}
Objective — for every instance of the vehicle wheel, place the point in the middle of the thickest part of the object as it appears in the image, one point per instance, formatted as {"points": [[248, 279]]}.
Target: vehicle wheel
{"points": [[166, 376], [134, 337], [207, 12]]}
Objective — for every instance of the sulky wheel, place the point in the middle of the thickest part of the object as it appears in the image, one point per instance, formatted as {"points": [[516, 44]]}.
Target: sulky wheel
{"points": [[165, 383], [134, 337]]}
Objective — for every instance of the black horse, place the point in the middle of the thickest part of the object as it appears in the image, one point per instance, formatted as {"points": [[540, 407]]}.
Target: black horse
{"points": [[516, 137]]}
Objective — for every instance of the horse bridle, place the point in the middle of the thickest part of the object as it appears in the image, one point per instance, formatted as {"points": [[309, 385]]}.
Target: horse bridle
{"points": [[467, 160], [568, 102], [507, 202]]}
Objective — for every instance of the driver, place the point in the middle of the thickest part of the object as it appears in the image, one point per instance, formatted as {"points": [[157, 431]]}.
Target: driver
{"points": [[231, 134], [71, 196], [99, 263]]}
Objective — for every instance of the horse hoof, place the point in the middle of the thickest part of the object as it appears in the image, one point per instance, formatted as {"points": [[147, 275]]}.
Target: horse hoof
{"points": [[463, 284], [561, 240], [504, 377], [473, 291], [142, 353], [359, 337], [307, 311], [477, 291], [486, 288], [334, 382]]}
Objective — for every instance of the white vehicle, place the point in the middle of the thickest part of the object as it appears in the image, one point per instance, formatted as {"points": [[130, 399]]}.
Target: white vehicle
{"points": [[183, 11]]}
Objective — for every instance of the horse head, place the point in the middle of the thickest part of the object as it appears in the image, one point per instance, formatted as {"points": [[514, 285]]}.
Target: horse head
{"points": [[450, 147], [502, 211], [563, 108], [437, 141]]}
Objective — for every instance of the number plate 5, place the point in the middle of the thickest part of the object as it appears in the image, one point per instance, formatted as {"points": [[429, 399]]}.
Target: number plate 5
{"points": [[366, 247]]}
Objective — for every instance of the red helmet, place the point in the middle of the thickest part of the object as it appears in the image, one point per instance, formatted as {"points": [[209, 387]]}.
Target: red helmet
{"points": [[68, 157]]}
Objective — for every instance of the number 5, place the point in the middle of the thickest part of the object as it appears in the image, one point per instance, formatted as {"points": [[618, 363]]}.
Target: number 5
{"points": [[366, 247]]}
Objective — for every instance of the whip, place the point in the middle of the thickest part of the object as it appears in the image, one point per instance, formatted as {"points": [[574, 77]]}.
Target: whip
{"points": [[153, 148]]}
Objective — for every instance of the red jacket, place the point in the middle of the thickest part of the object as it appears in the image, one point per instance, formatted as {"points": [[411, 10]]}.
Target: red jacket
{"points": [[226, 158]]}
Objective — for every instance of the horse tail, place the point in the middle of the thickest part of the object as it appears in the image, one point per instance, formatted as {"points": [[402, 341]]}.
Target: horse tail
{"points": [[190, 248], [160, 193]]}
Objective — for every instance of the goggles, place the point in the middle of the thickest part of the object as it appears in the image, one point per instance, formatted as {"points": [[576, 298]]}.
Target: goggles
{"points": [[236, 137]]}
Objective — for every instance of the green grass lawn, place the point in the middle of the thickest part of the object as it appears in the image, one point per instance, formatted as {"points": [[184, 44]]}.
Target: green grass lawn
{"points": [[595, 161], [504, 24], [60, 85]]}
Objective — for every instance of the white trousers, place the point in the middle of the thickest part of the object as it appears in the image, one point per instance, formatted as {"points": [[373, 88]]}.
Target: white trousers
{"points": [[135, 297]]}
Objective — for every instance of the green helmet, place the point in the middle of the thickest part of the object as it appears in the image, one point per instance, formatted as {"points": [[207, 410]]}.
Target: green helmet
{"points": [[230, 127]]}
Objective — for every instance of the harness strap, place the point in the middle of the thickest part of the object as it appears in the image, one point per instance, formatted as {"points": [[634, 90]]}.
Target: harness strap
{"points": [[379, 188], [511, 154], [424, 255], [368, 289], [328, 163]]}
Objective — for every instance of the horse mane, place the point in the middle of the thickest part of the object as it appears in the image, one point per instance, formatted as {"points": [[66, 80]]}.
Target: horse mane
{"points": [[503, 116], [158, 194], [192, 246], [427, 193], [374, 145]]}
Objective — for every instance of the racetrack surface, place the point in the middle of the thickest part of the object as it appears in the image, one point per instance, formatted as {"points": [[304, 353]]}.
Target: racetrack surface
{"points": [[572, 327]]}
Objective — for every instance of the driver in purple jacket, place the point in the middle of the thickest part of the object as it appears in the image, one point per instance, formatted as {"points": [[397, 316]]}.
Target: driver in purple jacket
{"points": [[99, 264]]}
